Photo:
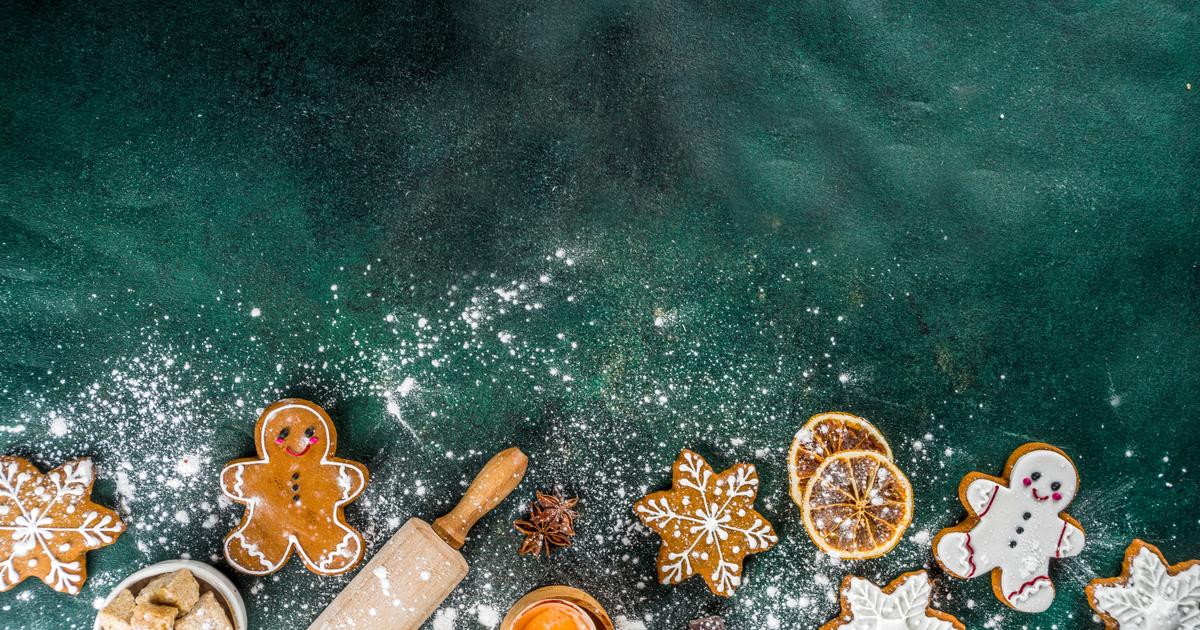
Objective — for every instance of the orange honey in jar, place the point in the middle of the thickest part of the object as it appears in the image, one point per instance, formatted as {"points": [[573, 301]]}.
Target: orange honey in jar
{"points": [[553, 614]]}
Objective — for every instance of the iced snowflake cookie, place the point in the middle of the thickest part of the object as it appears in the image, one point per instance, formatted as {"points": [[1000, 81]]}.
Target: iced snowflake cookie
{"points": [[294, 493], [1149, 594], [1015, 526], [707, 523], [903, 604], [48, 523]]}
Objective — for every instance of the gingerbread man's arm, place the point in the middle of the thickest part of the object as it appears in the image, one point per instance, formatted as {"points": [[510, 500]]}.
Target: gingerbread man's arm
{"points": [[236, 477], [351, 480], [980, 494], [1070, 539]]}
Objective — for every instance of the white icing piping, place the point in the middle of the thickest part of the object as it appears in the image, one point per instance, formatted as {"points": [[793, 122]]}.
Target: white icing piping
{"points": [[1027, 591], [964, 554], [1065, 545]]}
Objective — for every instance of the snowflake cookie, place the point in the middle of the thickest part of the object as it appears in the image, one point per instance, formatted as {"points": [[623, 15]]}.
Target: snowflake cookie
{"points": [[1015, 526], [707, 523], [294, 494], [48, 523], [1149, 594], [901, 605]]}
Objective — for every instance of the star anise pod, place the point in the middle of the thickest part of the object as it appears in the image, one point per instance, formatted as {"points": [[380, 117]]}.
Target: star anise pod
{"points": [[559, 510], [541, 534]]}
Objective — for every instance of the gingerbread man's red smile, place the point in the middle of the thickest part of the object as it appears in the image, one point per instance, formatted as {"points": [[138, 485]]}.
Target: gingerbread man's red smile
{"points": [[303, 450]]}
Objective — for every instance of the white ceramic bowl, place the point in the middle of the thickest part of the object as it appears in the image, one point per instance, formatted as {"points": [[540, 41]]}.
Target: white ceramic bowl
{"points": [[224, 589]]}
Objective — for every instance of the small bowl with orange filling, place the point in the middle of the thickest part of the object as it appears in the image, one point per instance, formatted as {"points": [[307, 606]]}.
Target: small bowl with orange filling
{"points": [[557, 608]]}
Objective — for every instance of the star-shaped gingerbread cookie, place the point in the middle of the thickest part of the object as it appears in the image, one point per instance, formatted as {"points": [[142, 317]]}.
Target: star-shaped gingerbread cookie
{"points": [[707, 523], [49, 522], [904, 603], [1149, 593]]}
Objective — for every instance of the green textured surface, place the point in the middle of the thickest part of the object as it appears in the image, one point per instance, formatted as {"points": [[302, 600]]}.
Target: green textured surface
{"points": [[603, 232]]}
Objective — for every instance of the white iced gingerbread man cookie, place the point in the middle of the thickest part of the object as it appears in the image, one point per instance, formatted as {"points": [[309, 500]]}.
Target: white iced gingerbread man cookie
{"points": [[1016, 525]]}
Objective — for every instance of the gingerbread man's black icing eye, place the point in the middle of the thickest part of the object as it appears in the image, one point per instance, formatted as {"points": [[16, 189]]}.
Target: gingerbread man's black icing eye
{"points": [[310, 431], [283, 434], [1055, 485], [1036, 476]]}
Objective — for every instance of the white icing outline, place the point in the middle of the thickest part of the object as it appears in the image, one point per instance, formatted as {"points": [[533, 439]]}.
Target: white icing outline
{"points": [[1029, 590], [293, 545]]}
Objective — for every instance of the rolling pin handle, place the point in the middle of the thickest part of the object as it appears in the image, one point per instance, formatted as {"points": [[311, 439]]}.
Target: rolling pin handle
{"points": [[499, 477]]}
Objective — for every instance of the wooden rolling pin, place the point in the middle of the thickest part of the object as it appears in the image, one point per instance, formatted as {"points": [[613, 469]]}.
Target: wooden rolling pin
{"points": [[419, 567]]}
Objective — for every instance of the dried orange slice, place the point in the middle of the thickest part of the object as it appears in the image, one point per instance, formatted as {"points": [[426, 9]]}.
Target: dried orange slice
{"points": [[858, 505], [826, 434]]}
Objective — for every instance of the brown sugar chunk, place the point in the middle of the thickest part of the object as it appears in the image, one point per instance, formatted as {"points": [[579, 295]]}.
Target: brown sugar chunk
{"points": [[147, 616], [115, 616], [179, 589], [207, 615]]}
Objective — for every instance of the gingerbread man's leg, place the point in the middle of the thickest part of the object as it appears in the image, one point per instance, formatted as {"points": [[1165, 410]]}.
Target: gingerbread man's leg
{"points": [[1028, 588], [256, 548], [958, 554], [332, 549]]}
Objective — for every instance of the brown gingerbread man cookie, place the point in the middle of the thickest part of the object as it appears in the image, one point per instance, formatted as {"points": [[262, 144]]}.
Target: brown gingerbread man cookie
{"points": [[294, 493], [49, 522]]}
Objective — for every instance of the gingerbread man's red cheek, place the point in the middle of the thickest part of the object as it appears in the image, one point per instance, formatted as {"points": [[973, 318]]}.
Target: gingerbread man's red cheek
{"points": [[1027, 482], [1057, 496]]}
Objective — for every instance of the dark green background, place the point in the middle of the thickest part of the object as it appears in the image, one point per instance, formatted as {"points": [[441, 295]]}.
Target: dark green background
{"points": [[975, 224]]}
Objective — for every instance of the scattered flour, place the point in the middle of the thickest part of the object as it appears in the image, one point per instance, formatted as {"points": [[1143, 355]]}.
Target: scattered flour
{"points": [[495, 353], [188, 465], [444, 619], [625, 623], [488, 617], [58, 426], [385, 585]]}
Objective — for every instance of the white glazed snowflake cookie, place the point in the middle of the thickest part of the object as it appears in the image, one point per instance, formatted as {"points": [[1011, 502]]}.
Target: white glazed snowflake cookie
{"points": [[1149, 594], [901, 605], [1015, 526]]}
